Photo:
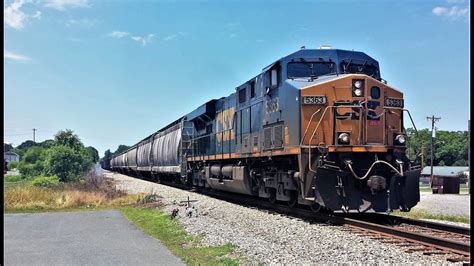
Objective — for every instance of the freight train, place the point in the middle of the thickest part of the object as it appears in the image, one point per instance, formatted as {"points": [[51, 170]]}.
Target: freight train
{"points": [[318, 127]]}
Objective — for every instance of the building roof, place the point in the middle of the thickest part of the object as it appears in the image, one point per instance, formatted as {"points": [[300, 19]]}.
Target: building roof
{"points": [[10, 153], [444, 170]]}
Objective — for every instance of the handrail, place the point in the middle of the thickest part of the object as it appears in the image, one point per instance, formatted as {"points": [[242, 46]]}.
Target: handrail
{"points": [[317, 126], [307, 127]]}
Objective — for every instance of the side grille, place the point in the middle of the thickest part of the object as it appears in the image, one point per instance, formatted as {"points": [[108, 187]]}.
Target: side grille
{"points": [[267, 138], [245, 142], [278, 136], [255, 141]]}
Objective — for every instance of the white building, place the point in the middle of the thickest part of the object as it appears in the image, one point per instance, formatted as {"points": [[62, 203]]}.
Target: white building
{"points": [[10, 156]]}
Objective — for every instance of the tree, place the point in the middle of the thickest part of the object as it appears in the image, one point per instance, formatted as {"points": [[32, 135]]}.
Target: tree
{"points": [[93, 153], [68, 138], [450, 147], [47, 143], [121, 148], [7, 147], [32, 162], [107, 154], [66, 163], [21, 149]]}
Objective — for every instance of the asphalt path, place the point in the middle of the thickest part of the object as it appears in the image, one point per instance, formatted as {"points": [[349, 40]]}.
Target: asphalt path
{"points": [[80, 238]]}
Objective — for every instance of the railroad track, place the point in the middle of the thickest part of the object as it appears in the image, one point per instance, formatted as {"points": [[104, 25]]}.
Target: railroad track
{"points": [[413, 235]]}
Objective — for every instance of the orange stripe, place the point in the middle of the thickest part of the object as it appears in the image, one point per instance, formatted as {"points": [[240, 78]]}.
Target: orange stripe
{"points": [[285, 151]]}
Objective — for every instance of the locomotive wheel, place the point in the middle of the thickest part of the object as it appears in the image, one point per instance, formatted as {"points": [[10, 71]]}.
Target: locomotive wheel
{"points": [[273, 195], [293, 202], [185, 180], [315, 207]]}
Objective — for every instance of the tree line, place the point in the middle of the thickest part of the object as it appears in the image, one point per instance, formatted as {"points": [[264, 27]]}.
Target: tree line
{"points": [[64, 158], [450, 147]]}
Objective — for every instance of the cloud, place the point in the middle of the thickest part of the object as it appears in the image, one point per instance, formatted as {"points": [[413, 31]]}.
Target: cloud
{"points": [[174, 36], [84, 22], [37, 15], [15, 17], [170, 37], [62, 5], [118, 34], [15, 57], [144, 40], [454, 12]]}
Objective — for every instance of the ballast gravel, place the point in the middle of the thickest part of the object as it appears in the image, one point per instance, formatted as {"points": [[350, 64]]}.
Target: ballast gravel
{"points": [[268, 238]]}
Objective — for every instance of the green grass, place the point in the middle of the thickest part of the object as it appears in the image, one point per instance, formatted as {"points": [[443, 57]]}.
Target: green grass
{"points": [[161, 226], [422, 214]]}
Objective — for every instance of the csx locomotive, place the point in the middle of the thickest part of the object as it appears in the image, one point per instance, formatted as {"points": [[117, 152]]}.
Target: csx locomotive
{"points": [[318, 127]]}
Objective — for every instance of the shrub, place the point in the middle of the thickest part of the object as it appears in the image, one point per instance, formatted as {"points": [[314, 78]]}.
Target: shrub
{"points": [[45, 181], [12, 178], [34, 154], [13, 165], [66, 163], [31, 170]]}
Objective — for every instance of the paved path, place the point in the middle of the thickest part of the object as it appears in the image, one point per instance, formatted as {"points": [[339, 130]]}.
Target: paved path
{"points": [[80, 238]]}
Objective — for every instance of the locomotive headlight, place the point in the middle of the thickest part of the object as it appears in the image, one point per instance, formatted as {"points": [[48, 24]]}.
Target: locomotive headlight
{"points": [[358, 92], [343, 138], [400, 139], [357, 87], [358, 84]]}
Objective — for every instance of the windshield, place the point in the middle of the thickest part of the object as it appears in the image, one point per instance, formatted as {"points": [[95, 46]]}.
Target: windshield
{"points": [[310, 69], [358, 68]]}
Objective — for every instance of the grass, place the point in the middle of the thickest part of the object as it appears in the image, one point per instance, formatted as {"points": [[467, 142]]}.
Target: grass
{"points": [[423, 214], [24, 197], [161, 226]]}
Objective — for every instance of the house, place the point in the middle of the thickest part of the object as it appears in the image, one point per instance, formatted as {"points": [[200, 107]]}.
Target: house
{"points": [[10, 156]]}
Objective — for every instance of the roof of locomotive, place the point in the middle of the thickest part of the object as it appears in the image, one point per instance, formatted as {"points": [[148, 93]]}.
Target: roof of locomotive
{"points": [[336, 55]]}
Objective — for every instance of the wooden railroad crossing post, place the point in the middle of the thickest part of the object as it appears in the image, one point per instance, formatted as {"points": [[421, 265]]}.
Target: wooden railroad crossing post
{"points": [[188, 202]]}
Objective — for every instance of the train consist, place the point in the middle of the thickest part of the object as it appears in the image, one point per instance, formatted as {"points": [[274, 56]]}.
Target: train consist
{"points": [[318, 127]]}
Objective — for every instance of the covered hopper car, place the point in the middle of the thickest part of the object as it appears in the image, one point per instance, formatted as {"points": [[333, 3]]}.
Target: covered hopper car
{"points": [[318, 127]]}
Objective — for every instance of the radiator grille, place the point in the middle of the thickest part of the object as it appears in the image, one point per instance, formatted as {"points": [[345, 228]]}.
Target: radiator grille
{"points": [[245, 142], [267, 138], [255, 141], [278, 136]]}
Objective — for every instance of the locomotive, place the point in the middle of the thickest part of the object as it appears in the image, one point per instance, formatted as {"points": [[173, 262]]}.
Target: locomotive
{"points": [[318, 127]]}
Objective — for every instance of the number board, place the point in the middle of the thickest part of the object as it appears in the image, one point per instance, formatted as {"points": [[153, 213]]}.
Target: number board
{"points": [[393, 102], [314, 99]]}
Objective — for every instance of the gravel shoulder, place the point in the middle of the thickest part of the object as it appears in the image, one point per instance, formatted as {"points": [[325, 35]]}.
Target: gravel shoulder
{"points": [[446, 204], [271, 238]]}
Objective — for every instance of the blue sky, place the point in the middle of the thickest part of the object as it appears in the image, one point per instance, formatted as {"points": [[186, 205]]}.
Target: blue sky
{"points": [[116, 71]]}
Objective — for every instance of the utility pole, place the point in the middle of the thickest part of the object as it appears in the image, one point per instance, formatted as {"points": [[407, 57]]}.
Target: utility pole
{"points": [[469, 155], [433, 136], [34, 131]]}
